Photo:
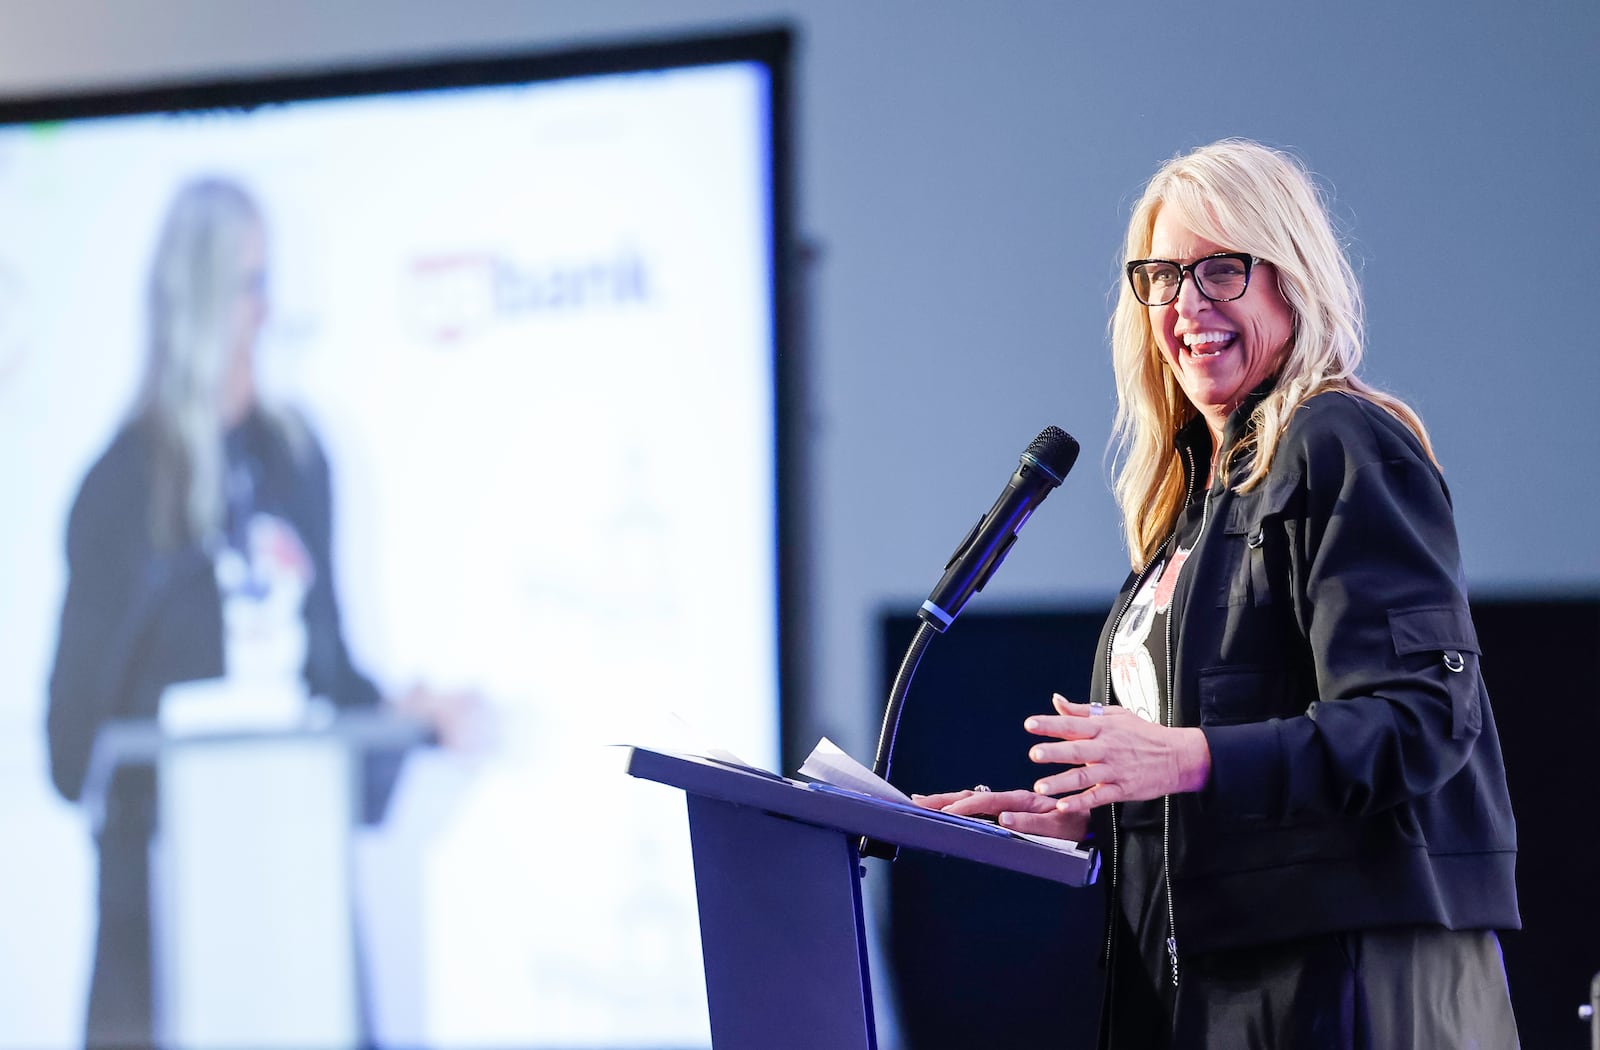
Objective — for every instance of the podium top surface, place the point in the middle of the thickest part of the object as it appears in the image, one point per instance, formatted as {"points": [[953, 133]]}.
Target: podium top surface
{"points": [[861, 815], [143, 742]]}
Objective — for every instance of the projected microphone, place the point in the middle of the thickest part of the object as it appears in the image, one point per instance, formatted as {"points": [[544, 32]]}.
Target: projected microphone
{"points": [[1043, 466]]}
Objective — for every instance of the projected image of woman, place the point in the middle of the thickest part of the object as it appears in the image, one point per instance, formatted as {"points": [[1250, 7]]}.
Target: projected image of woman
{"points": [[198, 545]]}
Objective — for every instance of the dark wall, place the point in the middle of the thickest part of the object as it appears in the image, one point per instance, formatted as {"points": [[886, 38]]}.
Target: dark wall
{"points": [[981, 958], [1540, 664], [959, 933]]}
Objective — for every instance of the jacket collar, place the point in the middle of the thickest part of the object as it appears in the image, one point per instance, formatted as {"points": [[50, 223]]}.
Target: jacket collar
{"points": [[1194, 437]]}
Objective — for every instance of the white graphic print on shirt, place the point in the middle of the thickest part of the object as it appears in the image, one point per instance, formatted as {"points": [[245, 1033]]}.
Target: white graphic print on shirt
{"points": [[1133, 673], [263, 597]]}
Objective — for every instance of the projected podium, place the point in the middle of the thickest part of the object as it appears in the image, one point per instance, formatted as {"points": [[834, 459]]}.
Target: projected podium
{"points": [[253, 932], [777, 877]]}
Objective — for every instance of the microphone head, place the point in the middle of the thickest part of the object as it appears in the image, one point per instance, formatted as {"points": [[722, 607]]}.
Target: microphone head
{"points": [[1055, 450]]}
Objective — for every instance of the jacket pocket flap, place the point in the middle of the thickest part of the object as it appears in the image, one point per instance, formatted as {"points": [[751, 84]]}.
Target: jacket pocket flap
{"points": [[1247, 511], [1432, 630]]}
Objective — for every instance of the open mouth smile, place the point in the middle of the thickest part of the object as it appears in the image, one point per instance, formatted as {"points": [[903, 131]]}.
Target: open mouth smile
{"points": [[1207, 344]]}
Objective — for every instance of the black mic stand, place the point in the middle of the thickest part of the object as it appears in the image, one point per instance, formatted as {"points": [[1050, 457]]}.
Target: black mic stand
{"points": [[891, 725]]}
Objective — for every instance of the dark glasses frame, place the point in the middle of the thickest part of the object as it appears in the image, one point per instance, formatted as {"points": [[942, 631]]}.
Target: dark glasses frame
{"points": [[1244, 259]]}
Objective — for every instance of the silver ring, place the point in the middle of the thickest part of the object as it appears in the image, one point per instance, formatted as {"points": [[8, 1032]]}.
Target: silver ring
{"points": [[980, 787], [1096, 709]]}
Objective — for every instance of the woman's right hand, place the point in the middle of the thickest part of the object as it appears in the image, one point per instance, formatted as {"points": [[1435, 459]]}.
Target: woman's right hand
{"points": [[1020, 810]]}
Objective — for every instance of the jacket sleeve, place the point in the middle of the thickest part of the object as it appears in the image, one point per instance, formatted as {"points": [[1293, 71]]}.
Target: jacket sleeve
{"points": [[330, 670], [112, 580], [1378, 599]]}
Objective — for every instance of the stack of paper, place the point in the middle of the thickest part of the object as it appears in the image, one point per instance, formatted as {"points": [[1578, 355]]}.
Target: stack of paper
{"points": [[829, 764]]}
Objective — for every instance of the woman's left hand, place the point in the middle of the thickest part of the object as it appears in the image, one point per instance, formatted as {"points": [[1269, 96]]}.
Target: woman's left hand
{"points": [[1120, 756], [1023, 811]]}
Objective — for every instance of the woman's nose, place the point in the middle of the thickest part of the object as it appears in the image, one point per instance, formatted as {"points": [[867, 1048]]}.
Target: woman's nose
{"points": [[1190, 302]]}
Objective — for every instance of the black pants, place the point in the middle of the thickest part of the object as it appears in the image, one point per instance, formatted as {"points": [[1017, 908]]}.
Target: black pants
{"points": [[1369, 990], [120, 989]]}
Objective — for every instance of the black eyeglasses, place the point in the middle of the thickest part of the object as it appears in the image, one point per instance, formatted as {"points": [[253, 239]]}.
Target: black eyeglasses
{"points": [[1221, 278]]}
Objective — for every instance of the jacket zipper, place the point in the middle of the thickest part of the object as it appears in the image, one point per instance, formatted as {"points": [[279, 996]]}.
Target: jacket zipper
{"points": [[1133, 592], [1166, 800], [1111, 641], [1172, 661]]}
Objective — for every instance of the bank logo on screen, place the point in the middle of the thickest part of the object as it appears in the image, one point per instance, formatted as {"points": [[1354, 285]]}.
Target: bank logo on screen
{"points": [[454, 297]]}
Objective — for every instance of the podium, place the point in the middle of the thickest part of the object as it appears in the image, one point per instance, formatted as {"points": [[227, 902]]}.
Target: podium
{"points": [[777, 879], [252, 905]]}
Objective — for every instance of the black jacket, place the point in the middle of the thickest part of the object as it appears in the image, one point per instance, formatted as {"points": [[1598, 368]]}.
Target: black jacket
{"points": [[1327, 652], [138, 618]]}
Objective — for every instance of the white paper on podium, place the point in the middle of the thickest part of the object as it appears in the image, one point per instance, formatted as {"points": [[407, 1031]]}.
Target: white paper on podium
{"points": [[831, 765]]}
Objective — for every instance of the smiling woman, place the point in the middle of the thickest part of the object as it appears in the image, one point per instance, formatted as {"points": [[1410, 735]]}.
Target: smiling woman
{"points": [[1286, 705]]}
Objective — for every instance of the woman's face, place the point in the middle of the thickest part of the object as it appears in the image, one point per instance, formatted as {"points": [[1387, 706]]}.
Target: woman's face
{"points": [[1219, 352], [238, 392]]}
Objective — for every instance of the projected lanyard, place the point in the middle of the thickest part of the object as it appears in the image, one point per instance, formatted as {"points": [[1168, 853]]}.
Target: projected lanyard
{"points": [[263, 574]]}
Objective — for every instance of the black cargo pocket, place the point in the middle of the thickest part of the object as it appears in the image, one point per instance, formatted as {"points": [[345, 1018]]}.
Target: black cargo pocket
{"points": [[1445, 632], [1236, 694]]}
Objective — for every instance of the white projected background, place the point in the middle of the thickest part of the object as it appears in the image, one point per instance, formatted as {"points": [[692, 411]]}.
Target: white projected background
{"points": [[532, 328]]}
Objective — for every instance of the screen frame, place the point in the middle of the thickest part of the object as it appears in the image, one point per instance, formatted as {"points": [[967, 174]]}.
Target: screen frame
{"points": [[772, 47]]}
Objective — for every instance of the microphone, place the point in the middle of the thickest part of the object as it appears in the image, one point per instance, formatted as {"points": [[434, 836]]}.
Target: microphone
{"points": [[1043, 466]]}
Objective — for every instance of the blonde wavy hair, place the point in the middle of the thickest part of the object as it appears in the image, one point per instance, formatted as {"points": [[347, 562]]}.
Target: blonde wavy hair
{"points": [[1262, 201], [196, 277]]}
